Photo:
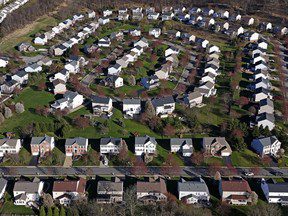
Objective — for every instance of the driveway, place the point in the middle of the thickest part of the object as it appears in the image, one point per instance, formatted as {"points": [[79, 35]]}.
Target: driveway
{"points": [[68, 161]]}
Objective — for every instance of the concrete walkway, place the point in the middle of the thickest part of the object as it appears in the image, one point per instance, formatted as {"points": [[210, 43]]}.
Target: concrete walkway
{"points": [[68, 161]]}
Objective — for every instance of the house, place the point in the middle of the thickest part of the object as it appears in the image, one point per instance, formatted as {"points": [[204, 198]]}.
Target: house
{"points": [[164, 71], [28, 193], [107, 13], [101, 104], [191, 192], [182, 146], [131, 107], [8, 87], [207, 89], [224, 14], [124, 61], [123, 16], [25, 47], [138, 50], [266, 120], [260, 74], [104, 42], [135, 33], [111, 145], [216, 146], [263, 44], [143, 42], [167, 16], [266, 106], [66, 191], [258, 57], [91, 14], [235, 192], [266, 146], [59, 50], [115, 69], [3, 185], [269, 26], [59, 86], [41, 40], [284, 31], [156, 32], [202, 42], [151, 191], [113, 81], [117, 35], [3, 62], [137, 15], [213, 49], [110, 191], [149, 10], [145, 145], [150, 82], [193, 99], [42, 145], [76, 146], [33, 68], [171, 50], [254, 36], [103, 20], [70, 100], [261, 93], [20, 77], [208, 77], [261, 83], [164, 106], [275, 192], [248, 21], [153, 16], [62, 75], [45, 61], [9, 146]]}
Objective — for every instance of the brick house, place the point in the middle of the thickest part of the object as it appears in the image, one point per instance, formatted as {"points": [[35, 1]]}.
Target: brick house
{"points": [[76, 146], [42, 145]]}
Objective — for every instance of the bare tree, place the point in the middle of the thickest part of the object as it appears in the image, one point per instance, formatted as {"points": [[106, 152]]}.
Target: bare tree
{"points": [[7, 112], [19, 108]]}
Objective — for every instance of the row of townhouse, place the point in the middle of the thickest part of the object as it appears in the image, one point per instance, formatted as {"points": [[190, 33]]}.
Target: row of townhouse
{"points": [[233, 191], [10, 7], [60, 49], [62, 26]]}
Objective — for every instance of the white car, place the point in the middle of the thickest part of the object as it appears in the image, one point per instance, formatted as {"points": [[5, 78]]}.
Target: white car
{"points": [[249, 174]]}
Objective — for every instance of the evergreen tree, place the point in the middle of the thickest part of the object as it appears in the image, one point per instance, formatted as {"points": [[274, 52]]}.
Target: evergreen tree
{"points": [[56, 212], [149, 109], [62, 211], [42, 211], [49, 213]]}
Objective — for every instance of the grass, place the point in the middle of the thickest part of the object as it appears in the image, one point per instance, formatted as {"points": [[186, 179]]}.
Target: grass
{"points": [[246, 158], [26, 34], [91, 159], [213, 160], [56, 158], [31, 99]]}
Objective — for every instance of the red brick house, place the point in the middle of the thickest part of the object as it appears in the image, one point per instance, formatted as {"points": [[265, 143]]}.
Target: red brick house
{"points": [[76, 146], [42, 145]]}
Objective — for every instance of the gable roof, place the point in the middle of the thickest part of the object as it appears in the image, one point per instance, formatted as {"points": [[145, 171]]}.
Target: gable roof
{"points": [[101, 100], [157, 186], [237, 185], [39, 140], [9, 142], [162, 101], [267, 141], [79, 140], [193, 186], [144, 140], [70, 186], [132, 101]]}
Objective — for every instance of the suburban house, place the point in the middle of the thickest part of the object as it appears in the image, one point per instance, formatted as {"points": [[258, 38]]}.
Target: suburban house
{"points": [[103, 20], [73, 66], [193, 99], [107, 13], [235, 191], [113, 81], [266, 106], [59, 86], [131, 107], [171, 50], [21, 77], [41, 40], [151, 191], [76, 146], [101, 104], [143, 42], [28, 193], [150, 82], [206, 89], [167, 16], [33, 68], [111, 145], [110, 191], [266, 146], [164, 106], [42, 145], [156, 32], [3, 62], [216, 146], [70, 100], [266, 120], [114, 69], [104, 42], [145, 145], [261, 94], [275, 192], [153, 16], [62, 75], [9, 86], [182, 146], [123, 16], [9, 146], [3, 185], [191, 192], [66, 191]]}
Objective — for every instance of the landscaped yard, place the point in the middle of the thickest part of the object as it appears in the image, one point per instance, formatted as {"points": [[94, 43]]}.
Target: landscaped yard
{"points": [[246, 158]]}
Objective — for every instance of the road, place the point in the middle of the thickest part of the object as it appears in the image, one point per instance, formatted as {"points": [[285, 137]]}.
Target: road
{"points": [[121, 171]]}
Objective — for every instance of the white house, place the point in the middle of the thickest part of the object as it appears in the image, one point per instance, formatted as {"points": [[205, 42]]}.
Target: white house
{"points": [[193, 99], [153, 16], [103, 21], [145, 145], [70, 100], [3, 185], [33, 68], [254, 37], [66, 191], [156, 32], [3, 62], [131, 107], [101, 104], [110, 191], [107, 13], [275, 192], [115, 69], [191, 192], [182, 146], [20, 77], [41, 40], [104, 42], [111, 145], [266, 106], [214, 48], [143, 42], [171, 50], [266, 120], [164, 106], [9, 146], [113, 81], [261, 93], [27, 193], [266, 146]]}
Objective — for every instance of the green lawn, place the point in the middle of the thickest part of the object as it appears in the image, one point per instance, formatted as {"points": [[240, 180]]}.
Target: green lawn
{"points": [[213, 161], [31, 99], [246, 158], [56, 158]]}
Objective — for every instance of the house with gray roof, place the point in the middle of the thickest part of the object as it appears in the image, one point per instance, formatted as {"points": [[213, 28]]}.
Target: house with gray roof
{"points": [[70, 100], [42, 145], [3, 185], [131, 107], [76, 146], [183, 146], [266, 120], [21, 77], [275, 192], [216, 146], [164, 106], [266, 106], [145, 145], [9, 146], [101, 105], [266, 146], [111, 145], [110, 191], [191, 192], [193, 99]]}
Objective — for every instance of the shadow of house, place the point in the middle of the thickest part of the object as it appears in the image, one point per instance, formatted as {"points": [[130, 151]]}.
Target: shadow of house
{"points": [[60, 144], [95, 144], [164, 143]]}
